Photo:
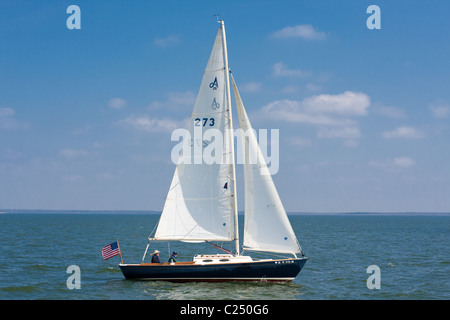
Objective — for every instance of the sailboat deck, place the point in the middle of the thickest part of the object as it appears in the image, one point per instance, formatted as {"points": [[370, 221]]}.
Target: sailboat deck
{"points": [[217, 259]]}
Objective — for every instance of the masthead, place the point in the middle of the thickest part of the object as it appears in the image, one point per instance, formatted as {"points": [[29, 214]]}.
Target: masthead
{"points": [[218, 19]]}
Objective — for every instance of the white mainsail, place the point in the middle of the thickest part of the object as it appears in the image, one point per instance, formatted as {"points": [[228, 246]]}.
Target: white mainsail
{"points": [[200, 204], [266, 225]]}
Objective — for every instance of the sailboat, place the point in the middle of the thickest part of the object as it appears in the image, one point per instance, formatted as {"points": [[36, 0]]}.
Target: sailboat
{"points": [[201, 204]]}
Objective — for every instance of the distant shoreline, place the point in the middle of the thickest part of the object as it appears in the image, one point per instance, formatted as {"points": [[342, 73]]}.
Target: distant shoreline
{"points": [[370, 213], [152, 212]]}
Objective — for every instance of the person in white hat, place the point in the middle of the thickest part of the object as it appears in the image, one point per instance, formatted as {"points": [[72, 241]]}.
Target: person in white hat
{"points": [[155, 257]]}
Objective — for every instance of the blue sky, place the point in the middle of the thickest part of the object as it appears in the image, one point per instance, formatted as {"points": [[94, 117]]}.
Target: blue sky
{"points": [[86, 115]]}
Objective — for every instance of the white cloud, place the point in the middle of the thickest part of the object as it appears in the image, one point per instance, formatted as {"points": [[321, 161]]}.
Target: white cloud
{"points": [[440, 109], [81, 131], [174, 101], [73, 153], [351, 142], [6, 112], [145, 123], [333, 113], [75, 178], [181, 98], [404, 162], [8, 121], [349, 134], [11, 154], [304, 31], [281, 70], [295, 111], [323, 109], [105, 176], [290, 89], [389, 164], [347, 103], [170, 40], [403, 133], [250, 87], [390, 112], [339, 132], [301, 142], [117, 103], [313, 87]]}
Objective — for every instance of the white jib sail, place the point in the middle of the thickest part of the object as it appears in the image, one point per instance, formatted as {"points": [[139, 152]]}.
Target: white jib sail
{"points": [[200, 203], [266, 225]]}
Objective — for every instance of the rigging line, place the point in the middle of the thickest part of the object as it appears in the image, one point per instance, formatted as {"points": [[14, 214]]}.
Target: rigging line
{"points": [[154, 228], [219, 247], [174, 187], [192, 229], [214, 70]]}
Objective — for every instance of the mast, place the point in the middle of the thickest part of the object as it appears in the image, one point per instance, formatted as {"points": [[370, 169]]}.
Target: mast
{"points": [[233, 178]]}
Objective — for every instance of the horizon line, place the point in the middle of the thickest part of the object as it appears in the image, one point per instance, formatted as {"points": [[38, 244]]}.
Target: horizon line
{"points": [[154, 212]]}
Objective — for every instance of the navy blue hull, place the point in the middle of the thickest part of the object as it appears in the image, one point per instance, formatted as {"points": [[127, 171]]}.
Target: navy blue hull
{"points": [[273, 270]]}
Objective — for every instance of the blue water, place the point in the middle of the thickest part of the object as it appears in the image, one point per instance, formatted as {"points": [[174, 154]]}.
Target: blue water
{"points": [[411, 251]]}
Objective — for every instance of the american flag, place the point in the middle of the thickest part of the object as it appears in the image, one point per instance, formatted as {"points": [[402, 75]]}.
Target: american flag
{"points": [[110, 250]]}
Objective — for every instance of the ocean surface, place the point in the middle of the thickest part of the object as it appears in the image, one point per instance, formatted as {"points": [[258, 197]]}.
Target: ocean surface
{"points": [[410, 250]]}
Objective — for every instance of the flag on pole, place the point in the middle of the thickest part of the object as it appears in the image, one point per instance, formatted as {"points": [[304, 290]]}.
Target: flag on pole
{"points": [[110, 250]]}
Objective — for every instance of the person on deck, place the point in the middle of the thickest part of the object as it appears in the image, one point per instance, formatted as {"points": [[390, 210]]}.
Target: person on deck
{"points": [[173, 258], [155, 257]]}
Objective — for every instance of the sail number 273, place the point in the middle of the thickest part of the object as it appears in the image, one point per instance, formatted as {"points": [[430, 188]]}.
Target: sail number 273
{"points": [[204, 121]]}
